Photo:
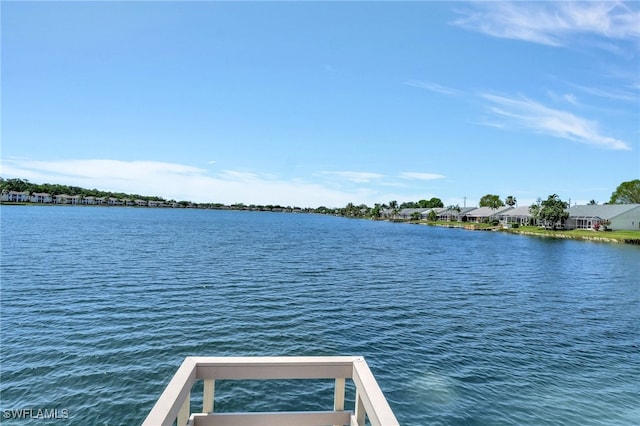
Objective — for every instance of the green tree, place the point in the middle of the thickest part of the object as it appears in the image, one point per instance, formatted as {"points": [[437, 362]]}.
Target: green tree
{"points": [[550, 213], [491, 201], [626, 193], [432, 216], [393, 205], [593, 203], [534, 209], [435, 203], [376, 211], [510, 201], [19, 185]]}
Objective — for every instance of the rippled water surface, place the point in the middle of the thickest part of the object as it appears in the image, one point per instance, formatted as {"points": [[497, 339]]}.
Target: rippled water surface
{"points": [[99, 306]]}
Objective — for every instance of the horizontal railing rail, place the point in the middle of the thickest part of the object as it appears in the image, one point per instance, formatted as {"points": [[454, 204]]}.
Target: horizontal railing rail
{"points": [[173, 406]]}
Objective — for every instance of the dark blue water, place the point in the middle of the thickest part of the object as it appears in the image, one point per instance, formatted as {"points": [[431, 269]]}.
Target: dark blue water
{"points": [[99, 306]]}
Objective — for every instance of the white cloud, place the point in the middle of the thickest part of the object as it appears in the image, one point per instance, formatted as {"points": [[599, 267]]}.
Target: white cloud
{"points": [[610, 93], [358, 177], [421, 176], [182, 182], [433, 87], [532, 115], [567, 97], [552, 23]]}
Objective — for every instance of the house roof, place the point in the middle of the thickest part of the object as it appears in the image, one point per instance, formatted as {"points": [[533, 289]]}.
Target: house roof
{"points": [[487, 211], [409, 212], [604, 211], [438, 210], [518, 211], [463, 210]]}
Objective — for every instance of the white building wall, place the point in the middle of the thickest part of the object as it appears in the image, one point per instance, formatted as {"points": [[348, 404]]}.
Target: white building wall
{"points": [[628, 221]]}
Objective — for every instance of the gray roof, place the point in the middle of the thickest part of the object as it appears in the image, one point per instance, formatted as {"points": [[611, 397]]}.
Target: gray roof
{"points": [[518, 211], [463, 210], [409, 212], [604, 211], [487, 211]]}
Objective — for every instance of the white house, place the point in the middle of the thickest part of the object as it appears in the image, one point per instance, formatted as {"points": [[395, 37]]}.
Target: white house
{"points": [[519, 215], [41, 197], [483, 214], [16, 197], [450, 214], [62, 199], [620, 217]]}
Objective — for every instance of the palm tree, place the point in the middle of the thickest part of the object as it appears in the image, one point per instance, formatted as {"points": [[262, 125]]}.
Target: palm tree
{"points": [[393, 205]]}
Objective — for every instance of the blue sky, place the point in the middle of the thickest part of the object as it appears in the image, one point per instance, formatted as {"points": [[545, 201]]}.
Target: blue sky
{"points": [[323, 103]]}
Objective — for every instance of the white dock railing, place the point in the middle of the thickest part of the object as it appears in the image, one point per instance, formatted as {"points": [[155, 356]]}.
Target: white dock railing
{"points": [[174, 403]]}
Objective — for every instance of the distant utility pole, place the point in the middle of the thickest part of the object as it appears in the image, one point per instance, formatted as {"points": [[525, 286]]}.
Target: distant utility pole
{"points": [[465, 202]]}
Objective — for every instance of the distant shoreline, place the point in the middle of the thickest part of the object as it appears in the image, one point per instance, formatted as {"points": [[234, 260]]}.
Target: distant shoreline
{"points": [[563, 234], [633, 239]]}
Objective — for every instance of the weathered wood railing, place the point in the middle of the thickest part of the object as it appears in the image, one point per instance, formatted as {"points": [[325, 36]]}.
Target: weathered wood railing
{"points": [[174, 403]]}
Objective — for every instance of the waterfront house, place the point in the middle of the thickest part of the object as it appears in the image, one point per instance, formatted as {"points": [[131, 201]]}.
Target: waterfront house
{"points": [[62, 199], [519, 215], [619, 217], [454, 215], [409, 213], [16, 196], [486, 214], [436, 210], [90, 200], [141, 203], [41, 197]]}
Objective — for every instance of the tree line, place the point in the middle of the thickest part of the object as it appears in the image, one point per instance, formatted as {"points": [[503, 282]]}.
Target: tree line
{"points": [[22, 185], [549, 212]]}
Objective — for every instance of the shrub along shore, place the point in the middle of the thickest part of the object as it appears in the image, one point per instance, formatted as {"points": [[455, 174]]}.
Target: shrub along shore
{"points": [[627, 237]]}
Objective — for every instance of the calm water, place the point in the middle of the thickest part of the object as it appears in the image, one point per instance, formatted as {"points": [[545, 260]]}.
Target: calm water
{"points": [[99, 306]]}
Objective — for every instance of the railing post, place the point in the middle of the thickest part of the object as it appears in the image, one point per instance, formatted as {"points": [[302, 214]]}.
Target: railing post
{"points": [[207, 396], [360, 411], [338, 399], [183, 414]]}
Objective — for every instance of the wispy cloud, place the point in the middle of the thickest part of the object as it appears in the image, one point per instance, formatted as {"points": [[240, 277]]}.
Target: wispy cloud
{"points": [[569, 98], [421, 176], [552, 23], [358, 177], [182, 182], [529, 114], [433, 87], [611, 93]]}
